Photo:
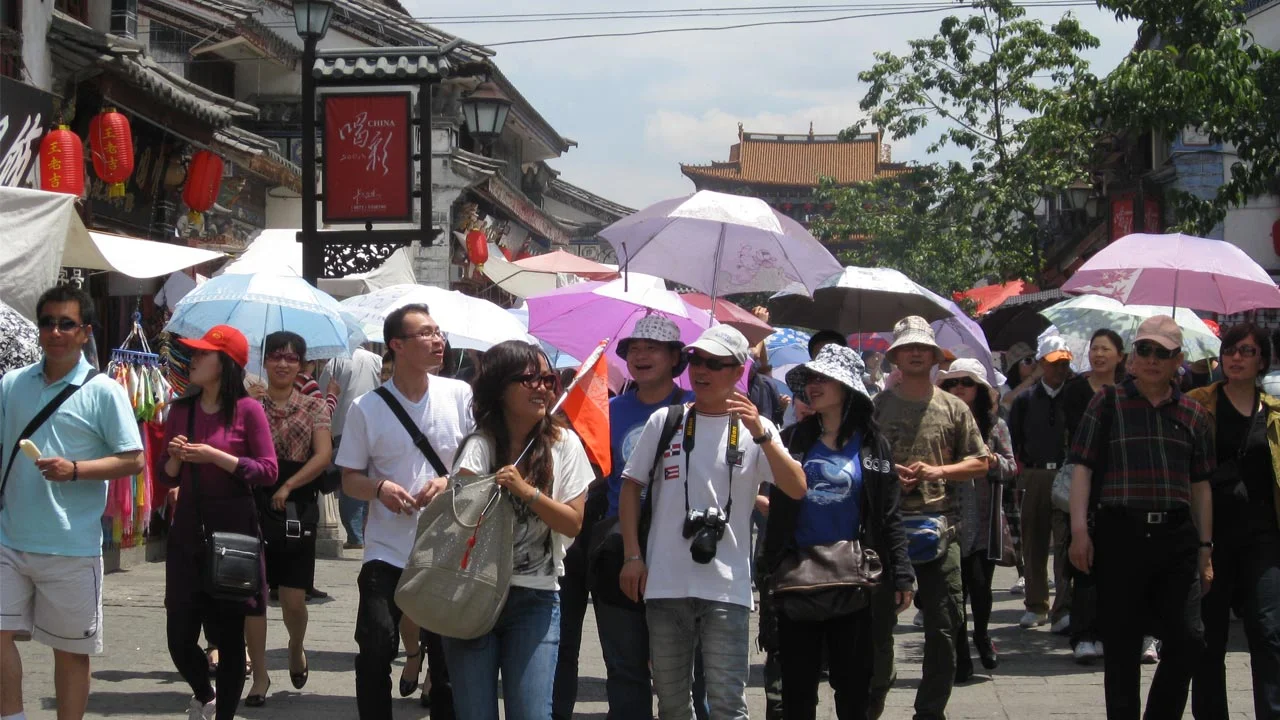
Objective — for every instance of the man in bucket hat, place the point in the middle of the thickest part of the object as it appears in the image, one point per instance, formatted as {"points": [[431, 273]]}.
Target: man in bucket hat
{"points": [[655, 358], [1149, 513], [935, 442]]}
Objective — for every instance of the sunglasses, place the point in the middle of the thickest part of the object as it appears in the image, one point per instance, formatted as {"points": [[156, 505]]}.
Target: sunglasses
{"points": [[65, 324], [712, 364], [1244, 351], [962, 382], [533, 381], [286, 357], [1147, 349]]}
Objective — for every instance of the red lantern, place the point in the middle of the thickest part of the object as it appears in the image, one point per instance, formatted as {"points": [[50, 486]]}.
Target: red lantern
{"points": [[506, 251], [62, 162], [786, 207], [477, 248], [524, 253], [204, 179], [112, 143], [808, 207], [828, 207]]}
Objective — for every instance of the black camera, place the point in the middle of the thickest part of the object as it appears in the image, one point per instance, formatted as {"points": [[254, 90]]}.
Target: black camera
{"points": [[706, 527]]}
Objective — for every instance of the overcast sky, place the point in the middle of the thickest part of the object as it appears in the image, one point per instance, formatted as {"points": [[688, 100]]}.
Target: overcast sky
{"points": [[640, 106]]}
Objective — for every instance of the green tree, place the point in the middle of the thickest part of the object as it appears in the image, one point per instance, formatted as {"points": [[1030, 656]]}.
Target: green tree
{"points": [[986, 79], [1201, 69]]}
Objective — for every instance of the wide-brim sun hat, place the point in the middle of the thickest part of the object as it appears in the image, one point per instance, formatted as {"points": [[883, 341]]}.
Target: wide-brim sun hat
{"points": [[659, 329], [834, 362], [964, 368]]}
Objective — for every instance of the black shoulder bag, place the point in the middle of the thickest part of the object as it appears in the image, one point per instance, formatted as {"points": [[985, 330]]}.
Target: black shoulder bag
{"points": [[45, 413], [605, 552], [419, 440], [233, 561]]}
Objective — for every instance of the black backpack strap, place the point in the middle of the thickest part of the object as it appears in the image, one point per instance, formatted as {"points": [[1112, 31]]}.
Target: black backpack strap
{"points": [[415, 434], [41, 417], [675, 416]]}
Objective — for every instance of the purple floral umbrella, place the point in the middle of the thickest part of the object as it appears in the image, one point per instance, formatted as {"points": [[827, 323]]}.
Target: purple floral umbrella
{"points": [[1176, 270]]}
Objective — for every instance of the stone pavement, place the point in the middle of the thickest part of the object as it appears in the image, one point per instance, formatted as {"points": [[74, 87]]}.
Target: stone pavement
{"points": [[135, 679]]}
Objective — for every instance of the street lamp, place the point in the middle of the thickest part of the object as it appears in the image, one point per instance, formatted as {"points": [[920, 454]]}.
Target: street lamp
{"points": [[311, 19], [485, 110], [1078, 193]]}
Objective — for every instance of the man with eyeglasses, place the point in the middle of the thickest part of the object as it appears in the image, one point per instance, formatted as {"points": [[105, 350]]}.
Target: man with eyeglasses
{"points": [[697, 585], [1040, 434], [381, 464], [1144, 527], [52, 497]]}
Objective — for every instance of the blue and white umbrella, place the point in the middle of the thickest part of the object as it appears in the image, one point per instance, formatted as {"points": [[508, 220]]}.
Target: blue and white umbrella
{"points": [[787, 347], [260, 304]]}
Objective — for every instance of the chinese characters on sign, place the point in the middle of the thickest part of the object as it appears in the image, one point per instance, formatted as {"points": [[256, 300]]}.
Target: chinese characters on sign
{"points": [[368, 154]]}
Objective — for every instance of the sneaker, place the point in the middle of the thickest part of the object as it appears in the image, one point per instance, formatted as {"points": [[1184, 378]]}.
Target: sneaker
{"points": [[202, 711], [918, 621], [1085, 652], [352, 546], [1150, 651], [1033, 619], [1019, 588], [1062, 626]]}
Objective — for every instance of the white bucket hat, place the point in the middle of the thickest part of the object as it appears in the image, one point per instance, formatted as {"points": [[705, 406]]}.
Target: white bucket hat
{"points": [[659, 329], [965, 368]]}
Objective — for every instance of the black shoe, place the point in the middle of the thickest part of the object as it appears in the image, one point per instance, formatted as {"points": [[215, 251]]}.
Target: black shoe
{"points": [[314, 594], [987, 651], [274, 595], [258, 700], [299, 679], [408, 685], [964, 671]]}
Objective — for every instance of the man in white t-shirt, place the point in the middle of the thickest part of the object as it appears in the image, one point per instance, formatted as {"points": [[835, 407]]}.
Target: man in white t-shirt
{"points": [[381, 464], [699, 590]]}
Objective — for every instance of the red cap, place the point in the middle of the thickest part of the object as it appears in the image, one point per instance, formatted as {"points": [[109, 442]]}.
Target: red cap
{"points": [[225, 338]]}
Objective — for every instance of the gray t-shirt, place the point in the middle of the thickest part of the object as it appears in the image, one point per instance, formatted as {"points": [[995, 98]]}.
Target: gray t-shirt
{"points": [[356, 376]]}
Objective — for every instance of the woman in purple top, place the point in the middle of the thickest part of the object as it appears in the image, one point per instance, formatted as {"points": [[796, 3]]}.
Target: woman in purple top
{"points": [[221, 434]]}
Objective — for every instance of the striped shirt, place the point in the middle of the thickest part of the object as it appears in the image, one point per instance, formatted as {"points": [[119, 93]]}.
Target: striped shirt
{"points": [[1154, 453]]}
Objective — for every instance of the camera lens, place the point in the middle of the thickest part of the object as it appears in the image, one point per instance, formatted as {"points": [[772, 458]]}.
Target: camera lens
{"points": [[703, 547]]}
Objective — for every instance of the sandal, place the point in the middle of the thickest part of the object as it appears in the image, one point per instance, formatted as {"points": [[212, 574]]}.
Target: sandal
{"points": [[407, 686], [210, 654]]}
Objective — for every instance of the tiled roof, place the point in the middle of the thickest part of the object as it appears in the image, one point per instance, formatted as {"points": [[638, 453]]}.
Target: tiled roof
{"points": [[361, 64], [796, 160], [560, 188]]}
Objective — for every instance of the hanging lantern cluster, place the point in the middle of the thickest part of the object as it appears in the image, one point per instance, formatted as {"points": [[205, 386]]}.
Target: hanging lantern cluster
{"points": [[62, 162], [477, 248], [204, 181], [111, 141]]}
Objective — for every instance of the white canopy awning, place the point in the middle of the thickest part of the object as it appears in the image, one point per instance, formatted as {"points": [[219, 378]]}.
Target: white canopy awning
{"points": [[277, 250], [40, 232]]}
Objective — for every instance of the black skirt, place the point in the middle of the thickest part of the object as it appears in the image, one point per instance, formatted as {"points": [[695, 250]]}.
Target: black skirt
{"points": [[290, 535]]}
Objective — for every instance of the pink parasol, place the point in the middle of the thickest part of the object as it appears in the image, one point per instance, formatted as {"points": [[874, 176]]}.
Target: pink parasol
{"points": [[731, 314], [1176, 270]]}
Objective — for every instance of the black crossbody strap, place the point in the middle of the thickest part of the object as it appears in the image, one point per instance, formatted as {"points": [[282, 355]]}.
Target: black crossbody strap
{"points": [[45, 413], [415, 434], [675, 415]]}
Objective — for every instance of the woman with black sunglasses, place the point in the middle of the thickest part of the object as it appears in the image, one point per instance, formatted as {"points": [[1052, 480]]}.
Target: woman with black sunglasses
{"points": [[983, 524], [1246, 527], [514, 394]]}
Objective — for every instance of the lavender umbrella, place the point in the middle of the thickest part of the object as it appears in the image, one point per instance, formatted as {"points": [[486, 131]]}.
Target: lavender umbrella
{"points": [[720, 244], [1176, 270]]}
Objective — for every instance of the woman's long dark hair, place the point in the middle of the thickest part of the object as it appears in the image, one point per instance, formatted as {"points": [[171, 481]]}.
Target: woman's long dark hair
{"points": [[230, 390], [856, 416], [503, 363], [983, 413]]}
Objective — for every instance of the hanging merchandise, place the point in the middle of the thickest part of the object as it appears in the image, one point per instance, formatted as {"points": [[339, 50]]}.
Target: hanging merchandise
{"points": [[62, 162], [176, 364], [111, 141], [204, 179], [477, 248]]}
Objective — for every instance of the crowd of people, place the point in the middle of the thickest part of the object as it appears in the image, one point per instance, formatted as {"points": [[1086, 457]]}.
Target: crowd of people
{"points": [[885, 481]]}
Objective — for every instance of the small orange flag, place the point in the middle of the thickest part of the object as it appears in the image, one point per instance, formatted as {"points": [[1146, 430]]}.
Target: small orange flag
{"points": [[587, 407]]}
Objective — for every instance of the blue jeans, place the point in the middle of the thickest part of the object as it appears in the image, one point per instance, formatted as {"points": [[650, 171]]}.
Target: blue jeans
{"points": [[523, 646], [352, 512], [676, 629]]}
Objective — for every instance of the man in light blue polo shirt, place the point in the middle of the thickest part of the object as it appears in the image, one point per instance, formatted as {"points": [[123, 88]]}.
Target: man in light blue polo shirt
{"points": [[50, 524]]}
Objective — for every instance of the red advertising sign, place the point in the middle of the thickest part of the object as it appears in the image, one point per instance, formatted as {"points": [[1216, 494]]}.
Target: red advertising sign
{"points": [[1121, 216], [368, 158], [1151, 216]]}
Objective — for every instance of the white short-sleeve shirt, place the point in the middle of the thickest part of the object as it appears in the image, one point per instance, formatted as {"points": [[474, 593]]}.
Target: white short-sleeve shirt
{"points": [[375, 443], [538, 558], [672, 571]]}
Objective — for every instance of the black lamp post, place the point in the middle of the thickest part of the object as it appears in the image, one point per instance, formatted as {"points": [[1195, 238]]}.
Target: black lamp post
{"points": [[311, 18], [485, 111]]}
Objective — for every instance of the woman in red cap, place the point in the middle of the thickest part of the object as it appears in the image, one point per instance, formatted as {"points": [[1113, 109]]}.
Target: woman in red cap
{"points": [[220, 436]]}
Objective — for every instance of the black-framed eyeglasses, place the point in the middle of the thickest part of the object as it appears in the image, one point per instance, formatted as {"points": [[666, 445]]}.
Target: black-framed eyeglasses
{"points": [[947, 385], [533, 381], [712, 364], [63, 324], [1147, 349], [287, 357], [1244, 351], [428, 333]]}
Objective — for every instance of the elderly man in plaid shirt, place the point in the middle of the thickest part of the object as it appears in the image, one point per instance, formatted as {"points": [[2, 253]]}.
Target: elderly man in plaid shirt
{"points": [[1152, 537]]}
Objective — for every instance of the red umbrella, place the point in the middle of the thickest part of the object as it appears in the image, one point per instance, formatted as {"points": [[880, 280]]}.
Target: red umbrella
{"points": [[565, 262], [989, 297], [870, 341], [755, 329]]}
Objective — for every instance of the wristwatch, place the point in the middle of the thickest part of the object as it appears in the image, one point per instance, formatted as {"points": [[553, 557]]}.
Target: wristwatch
{"points": [[1207, 544], [766, 437]]}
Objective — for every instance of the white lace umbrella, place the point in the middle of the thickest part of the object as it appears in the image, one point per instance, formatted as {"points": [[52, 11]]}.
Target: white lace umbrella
{"points": [[470, 322]]}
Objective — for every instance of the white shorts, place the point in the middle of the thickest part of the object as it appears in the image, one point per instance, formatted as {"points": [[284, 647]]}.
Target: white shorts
{"points": [[54, 599]]}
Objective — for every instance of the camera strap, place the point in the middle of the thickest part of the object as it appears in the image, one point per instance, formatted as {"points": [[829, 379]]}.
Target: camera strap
{"points": [[732, 455]]}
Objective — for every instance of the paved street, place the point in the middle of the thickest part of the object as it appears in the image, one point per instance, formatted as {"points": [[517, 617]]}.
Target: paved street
{"points": [[135, 679]]}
